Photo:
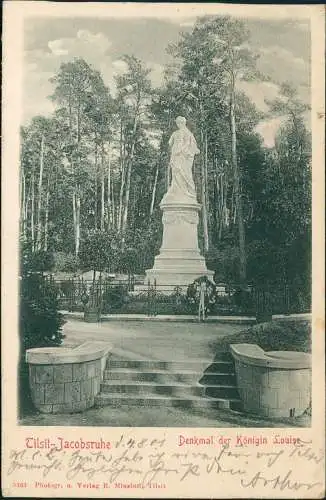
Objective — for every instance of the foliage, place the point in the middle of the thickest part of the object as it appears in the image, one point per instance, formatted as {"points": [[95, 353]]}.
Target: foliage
{"points": [[278, 335], [97, 251], [280, 232], [38, 261], [244, 301], [179, 301], [224, 261], [113, 298], [40, 322], [64, 261]]}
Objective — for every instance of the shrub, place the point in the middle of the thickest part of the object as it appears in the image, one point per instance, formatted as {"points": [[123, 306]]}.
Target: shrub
{"points": [[40, 326], [39, 261], [244, 300], [65, 262], [179, 302], [277, 335], [40, 322], [113, 298]]}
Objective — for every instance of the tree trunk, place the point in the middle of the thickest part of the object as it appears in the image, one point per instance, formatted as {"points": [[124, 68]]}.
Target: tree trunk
{"points": [[122, 178], [113, 209], [77, 221], [129, 168], [109, 208], [102, 189], [23, 205], [46, 222], [126, 202], [27, 199], [206, 196], [237, 191], [154, 191], [74, 215], [76, 218], [39, 201], [32, 212], [77, 183], [203, 192], [96, 186]]}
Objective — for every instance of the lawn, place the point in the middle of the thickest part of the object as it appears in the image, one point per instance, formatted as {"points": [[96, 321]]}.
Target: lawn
{"points": [[278, 335]]}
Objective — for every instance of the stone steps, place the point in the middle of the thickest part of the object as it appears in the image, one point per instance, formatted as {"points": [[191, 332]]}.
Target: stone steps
{"points": [[197, 403], [168, 377], [146, 365], [175, 389], [191, 384]]}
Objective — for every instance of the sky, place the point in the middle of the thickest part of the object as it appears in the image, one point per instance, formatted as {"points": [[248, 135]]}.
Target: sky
{"points": [[283, 47]]}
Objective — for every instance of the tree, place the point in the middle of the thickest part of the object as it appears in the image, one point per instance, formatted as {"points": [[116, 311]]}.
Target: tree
{"points": [[199, 83], [39, 156], [75, 84], [99, 111], [289, 105], [97, 251], [133, 92], [280, 229], [235, 61], [214, 56]]}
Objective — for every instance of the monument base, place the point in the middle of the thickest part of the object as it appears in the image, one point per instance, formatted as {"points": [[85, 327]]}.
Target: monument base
{"points": [[179, 262]]}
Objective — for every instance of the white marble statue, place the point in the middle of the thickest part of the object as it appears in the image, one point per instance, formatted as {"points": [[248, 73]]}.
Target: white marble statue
{"points": [[183, 150]]}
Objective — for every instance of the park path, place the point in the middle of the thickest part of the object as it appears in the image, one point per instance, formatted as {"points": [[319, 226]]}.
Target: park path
{"points": [[153, 340]]}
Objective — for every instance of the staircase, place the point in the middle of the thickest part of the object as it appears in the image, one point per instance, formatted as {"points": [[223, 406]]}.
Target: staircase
{"points": [[192, 384]]}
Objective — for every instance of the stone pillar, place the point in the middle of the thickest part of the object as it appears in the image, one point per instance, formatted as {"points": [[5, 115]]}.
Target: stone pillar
{"points": [[179, 261]]}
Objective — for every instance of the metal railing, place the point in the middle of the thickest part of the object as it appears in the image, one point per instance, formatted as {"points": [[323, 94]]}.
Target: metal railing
{"points": [[126, 297]]}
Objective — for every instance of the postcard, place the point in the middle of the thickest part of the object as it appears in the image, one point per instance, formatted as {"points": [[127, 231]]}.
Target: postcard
{"points": [[162, 250]]}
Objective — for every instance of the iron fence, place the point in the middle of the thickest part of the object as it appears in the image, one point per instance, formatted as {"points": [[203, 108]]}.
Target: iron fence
{"points": [[126, 297]]}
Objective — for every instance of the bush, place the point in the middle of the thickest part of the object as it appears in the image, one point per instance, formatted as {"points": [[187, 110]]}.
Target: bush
{"points": [[65, 262], [180, 303], [39, 261], [40, 321], [40, 326], [244, 301], [277, 335], [113, 298]]}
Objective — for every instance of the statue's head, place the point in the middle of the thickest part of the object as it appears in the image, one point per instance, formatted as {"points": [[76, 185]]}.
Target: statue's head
{"points": [[180, 121]]}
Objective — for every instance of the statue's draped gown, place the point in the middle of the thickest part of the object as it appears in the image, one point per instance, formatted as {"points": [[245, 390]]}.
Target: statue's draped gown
{"points": [[183, 149]]}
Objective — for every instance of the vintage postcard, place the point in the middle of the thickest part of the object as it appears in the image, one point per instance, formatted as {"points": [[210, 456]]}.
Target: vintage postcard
{"points": [[162, 250]]}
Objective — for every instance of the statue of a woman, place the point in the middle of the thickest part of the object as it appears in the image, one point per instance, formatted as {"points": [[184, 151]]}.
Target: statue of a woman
{"points": [[183, 149]]}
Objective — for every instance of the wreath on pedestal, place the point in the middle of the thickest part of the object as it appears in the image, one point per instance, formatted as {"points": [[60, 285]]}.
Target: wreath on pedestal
{"points": [[193, 294]]}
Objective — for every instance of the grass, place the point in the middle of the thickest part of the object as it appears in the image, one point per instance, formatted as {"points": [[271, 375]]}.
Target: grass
{"points": [[278, 335]]}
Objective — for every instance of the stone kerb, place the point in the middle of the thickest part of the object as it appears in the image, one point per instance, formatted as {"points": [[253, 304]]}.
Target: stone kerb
{"points": [[66, 380], [272, 384]]}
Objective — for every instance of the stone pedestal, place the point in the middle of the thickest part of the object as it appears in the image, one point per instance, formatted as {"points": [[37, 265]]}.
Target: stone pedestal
{"points": [[179, 261]]}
